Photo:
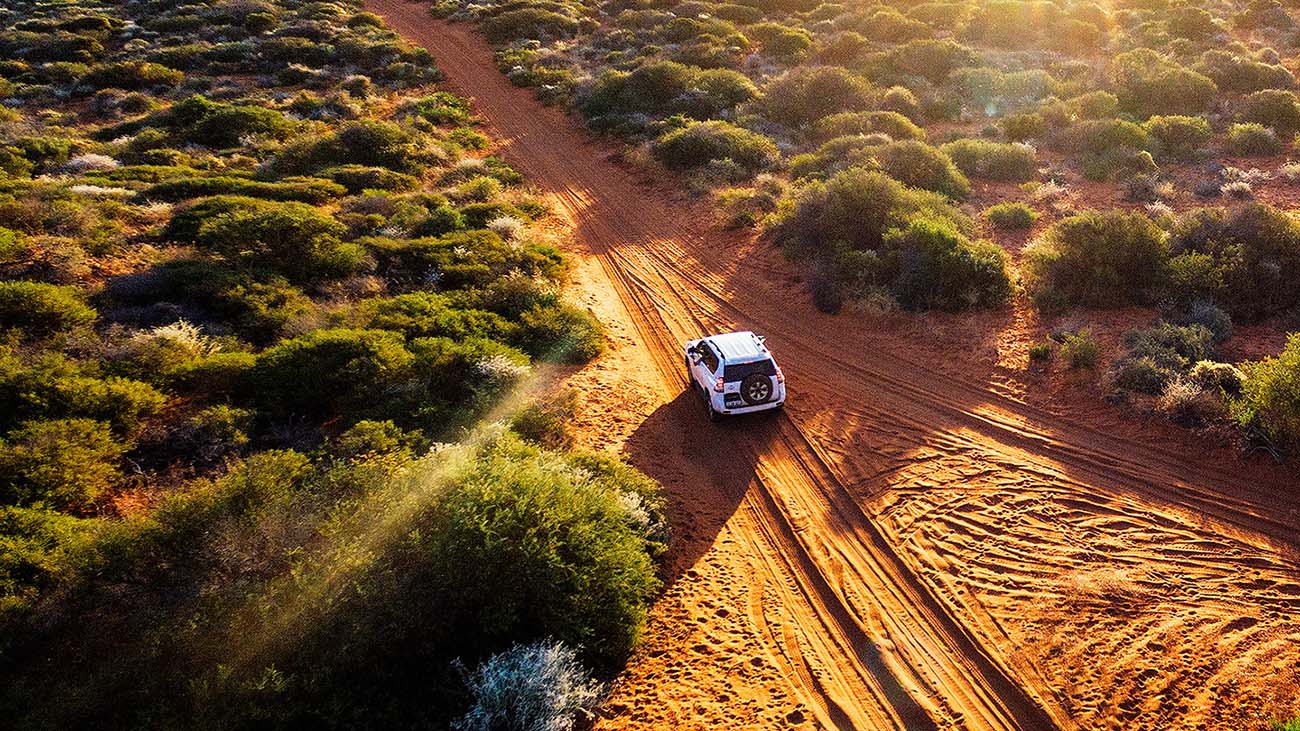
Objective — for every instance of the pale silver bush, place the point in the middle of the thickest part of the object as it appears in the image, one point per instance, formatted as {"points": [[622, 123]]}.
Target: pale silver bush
{"points": [[535, 687], [90, 161], [507, 227], [1185, 401], [1237, 189], [181, 334]]}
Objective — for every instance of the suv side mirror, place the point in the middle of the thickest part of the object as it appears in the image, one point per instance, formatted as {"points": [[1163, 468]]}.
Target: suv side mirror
{"points": [[695, 358], [762, 339]]}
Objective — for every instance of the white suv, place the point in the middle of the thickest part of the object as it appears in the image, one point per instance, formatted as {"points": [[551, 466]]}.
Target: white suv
{"points": [[736, 374]]}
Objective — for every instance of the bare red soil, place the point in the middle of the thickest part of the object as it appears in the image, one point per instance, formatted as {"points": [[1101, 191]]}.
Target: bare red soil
{"points": [[931, 536]]}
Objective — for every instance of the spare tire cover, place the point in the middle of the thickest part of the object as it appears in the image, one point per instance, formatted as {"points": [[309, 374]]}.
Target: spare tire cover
{"points": [[756, 388]]}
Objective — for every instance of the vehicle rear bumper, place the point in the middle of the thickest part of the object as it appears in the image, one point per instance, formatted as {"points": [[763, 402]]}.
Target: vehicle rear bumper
{"points": [[747, 409]]}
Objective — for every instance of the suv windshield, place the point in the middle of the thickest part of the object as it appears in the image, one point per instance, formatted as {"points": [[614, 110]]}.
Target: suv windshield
{"points": [[739, 371]]}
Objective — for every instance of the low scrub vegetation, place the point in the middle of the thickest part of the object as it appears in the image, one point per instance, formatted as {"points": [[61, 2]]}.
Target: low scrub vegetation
{"points": [[1269, 407], [1011, 215], [1098, 259], [941, 98], [259, 270], [866, 231]]}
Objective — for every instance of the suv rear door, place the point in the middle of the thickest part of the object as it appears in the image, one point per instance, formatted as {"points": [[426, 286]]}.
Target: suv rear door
{"points": [[734, 373]]}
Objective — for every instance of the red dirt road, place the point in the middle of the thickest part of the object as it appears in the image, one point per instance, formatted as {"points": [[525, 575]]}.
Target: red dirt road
{"points": [[921, 541]]}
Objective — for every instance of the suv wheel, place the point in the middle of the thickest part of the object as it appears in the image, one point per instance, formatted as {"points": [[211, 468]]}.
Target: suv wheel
{"points": [[756, 389], [714, 416]]}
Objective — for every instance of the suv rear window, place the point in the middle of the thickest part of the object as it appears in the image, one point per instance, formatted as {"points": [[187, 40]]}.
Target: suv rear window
{"points": [[739, 371]]}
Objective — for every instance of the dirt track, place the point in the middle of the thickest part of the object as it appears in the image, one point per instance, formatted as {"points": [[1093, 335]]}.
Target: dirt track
{"points": [[921, 541]]}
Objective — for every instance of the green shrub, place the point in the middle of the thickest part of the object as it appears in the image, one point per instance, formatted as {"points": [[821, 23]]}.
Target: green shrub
{"points": [[442, 107], [705, 142], [303, 190], [843, 124], [838, 154], [1246, 259], [369, 143], [1105, 259], [931, 59], [1112, 149], [1223, 378], [807, 94], [459, 260], [36, 309], [428, 314], [66, 463], [13, 246], [358, 178], [409, 563], [260, 22], [293, 238], [1013, 215], [1162, 355], [216, 375], [715, 92], [781, 42], [1042, 352], [1270, 397], [332, 372], [648, 89], [939, 268], [34, 545], [901, 100], [1177, 345], [369, 438], [1148, 84], [1279, 110], [666, 87], [1178, 136], [14, 164], [535, 23], [853, 210], [587, 580], [1252, 139], [1192, 23], [481, 189], [262, 309], [1014, 162], [44, 152], [869, 233], [546, 422], [1022, 126], [1080, 350], [1143, 375], [216, 432], [227, 126], [1099, 137], [131, 75], [49, 386], [561, 333], [1241, 74], [919, 165]]}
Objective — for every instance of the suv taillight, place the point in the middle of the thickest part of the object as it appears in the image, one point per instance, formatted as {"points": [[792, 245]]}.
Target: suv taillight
{"points": [[780, 377], [717, 387]]}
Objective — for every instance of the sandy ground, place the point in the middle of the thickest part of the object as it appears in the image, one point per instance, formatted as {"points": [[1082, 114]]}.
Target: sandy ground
{"points": [[931, 536]]}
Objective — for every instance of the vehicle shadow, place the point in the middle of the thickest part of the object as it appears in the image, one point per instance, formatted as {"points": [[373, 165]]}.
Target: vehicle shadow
{"points": [[705, 469]]}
